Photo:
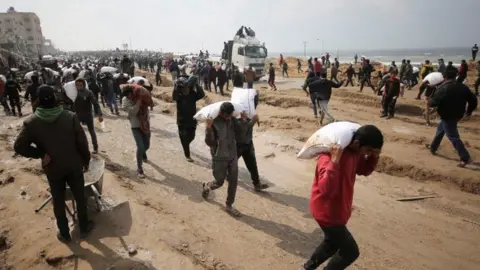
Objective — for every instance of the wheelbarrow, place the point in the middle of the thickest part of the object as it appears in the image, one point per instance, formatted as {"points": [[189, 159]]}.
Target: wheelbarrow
{"points": [[93, 187]]}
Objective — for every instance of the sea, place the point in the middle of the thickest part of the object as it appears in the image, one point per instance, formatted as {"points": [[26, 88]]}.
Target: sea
{"points": [[416, 56]]}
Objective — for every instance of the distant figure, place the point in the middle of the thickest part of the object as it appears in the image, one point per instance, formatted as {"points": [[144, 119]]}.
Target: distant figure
{"points": [[299, 65], [403, 69], [392, 67], [271, 77], [207, 54], [356, 58], [317, 67], [474, 52], [280, 62], [337, 63], [477, 82], [350, 73], [441, 66], [250, 32], [334, 72], [285, 69], [462, 72], [240, 32]]}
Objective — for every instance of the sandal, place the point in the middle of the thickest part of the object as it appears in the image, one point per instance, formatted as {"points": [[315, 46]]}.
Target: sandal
{"points": [[232, 211], [205, 191]]}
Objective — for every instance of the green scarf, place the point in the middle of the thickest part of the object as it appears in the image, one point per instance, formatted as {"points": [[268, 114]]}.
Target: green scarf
{"points": [[48, 115]]}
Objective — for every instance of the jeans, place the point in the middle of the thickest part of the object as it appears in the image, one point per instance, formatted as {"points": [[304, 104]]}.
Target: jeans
{"points": [[324, 110], [15, 103], [338, 244], [143, 143], [450, 128], [315, 103], [112, 101], [249, 85], [88, 120], [247, 151], [76, 182], [187, 135]]}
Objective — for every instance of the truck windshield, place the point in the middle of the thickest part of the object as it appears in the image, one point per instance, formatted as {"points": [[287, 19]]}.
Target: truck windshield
{"points": [[255, 51]]}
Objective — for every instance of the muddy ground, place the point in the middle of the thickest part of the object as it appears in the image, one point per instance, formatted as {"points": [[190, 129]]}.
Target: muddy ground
{"points": [[166, 221]]}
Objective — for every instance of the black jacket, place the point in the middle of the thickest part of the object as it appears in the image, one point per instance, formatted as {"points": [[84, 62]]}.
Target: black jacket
{"points": [[12, 88], [392, 87], [187, 104], [63, 140], [84, 102], [322, 87], [32, 92], [222, 76], [451, 98]]}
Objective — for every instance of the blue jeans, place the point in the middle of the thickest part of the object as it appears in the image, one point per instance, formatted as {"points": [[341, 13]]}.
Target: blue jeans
{"points": [[449, 128], [143, 143], [111, 98], [250, 85]]}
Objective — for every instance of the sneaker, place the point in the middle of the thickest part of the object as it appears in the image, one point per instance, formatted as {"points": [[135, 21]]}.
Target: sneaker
{"points": [[189, 159], [64, 238], [141, 175], [85, 233], [205, 191], [260, 186], [145, 158]]}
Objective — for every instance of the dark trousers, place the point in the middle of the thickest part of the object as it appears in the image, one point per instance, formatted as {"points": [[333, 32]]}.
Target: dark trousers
{"points": [[99, 98], [285, 72], [474, 56], [225, 169], [461, 78], [58, 188], [349, 80], [15, 103], [247, 152], [450, 129], [388, 104], [88, 121], [339, 245], [299, 69], [477, 84], [366, 79], [333, 77], [206, 84], [214, 85], [143, 144], [249, 85], [187, 135], [314, 99], [158, 80], [3, 101], [220, 87]]}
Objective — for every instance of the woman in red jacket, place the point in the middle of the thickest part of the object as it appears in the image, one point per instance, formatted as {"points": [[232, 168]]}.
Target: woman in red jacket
{"points": [[332, 196]]}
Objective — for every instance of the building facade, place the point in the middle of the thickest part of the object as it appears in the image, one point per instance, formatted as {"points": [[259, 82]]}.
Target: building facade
{"points": [[24, 26]]}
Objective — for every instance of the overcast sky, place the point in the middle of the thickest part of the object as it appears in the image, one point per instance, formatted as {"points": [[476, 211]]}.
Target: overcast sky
{"points": [[186, 25]]}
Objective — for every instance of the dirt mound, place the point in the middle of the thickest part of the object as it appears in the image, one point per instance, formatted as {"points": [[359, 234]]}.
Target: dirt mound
{"points": [[128, 264], [392, 167], [283, 101]]}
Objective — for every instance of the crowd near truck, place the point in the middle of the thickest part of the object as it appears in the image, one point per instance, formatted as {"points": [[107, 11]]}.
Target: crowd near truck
{"points": [[245, 51]]}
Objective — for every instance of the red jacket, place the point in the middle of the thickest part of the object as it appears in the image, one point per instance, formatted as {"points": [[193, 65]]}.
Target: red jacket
{"points": [[332, 190]]}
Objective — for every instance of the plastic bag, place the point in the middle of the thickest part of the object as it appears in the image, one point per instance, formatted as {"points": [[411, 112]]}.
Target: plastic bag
{"points": [[245, 98], [322, 140], [212, 111]]}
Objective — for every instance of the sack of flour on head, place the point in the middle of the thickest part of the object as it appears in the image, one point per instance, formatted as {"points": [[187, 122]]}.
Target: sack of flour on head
{"points": [[212, 111], [245, 98], [322, 140]]}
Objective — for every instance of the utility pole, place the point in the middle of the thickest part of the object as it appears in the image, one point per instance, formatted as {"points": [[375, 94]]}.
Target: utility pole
{"points": [[305, 50]]}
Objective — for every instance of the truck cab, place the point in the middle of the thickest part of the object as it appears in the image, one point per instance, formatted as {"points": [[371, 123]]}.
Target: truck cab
{"points": [[245, 52]]}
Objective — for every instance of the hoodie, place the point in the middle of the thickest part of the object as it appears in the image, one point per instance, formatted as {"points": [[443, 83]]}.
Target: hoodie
{"points": [[58, 133]]}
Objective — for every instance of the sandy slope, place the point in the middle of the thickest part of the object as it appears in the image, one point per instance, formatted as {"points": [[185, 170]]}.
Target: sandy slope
{"points": [[166, 218]]}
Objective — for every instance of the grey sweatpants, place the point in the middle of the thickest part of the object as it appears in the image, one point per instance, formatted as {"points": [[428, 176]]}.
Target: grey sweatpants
{"points": [[225, 169]]}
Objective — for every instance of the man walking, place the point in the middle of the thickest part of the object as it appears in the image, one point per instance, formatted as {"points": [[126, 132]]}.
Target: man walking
{"points": [[186, 93], [83, 109], [474, 52], [249, 77], [12, 91], [271, 77], [390, 95], [62, 146], [220, 137], [367, 70], [451, 99]]}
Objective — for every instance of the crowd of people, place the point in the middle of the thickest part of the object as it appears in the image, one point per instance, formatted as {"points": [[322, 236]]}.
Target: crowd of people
{"points": [[54, 134]]}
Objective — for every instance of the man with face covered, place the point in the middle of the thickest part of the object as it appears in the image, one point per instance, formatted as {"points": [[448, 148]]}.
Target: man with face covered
{"points": [[186, 93]]}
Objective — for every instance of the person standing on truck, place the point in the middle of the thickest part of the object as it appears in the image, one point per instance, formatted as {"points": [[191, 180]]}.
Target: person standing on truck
{"points": [[271, 77], [331, 199]]}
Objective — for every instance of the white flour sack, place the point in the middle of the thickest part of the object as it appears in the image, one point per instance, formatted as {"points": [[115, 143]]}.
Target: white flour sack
{"points": [[71, 90], [434, 78], [212, 111], [137, 79], [245, 98], [322, 140]]}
